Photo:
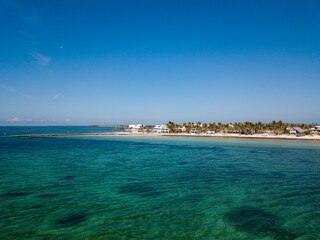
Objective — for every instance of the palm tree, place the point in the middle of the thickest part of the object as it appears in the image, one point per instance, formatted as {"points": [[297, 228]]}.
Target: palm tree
{"points": [[171, 126], [142, 128], [198, 127]]}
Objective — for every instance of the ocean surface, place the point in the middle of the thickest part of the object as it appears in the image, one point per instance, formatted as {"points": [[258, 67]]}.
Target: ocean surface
{"points": [[122, 187], [11, 131]]}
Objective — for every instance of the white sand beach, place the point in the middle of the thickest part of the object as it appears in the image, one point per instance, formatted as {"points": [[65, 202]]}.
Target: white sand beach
{"points": [[225, 135]]}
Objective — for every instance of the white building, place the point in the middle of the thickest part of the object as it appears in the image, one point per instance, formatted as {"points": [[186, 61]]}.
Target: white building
{"points": [[314, 131], [194, 130], [291, 131], [161, 129], [135, 128], [210, 132], [183, 129], [299, 130]]}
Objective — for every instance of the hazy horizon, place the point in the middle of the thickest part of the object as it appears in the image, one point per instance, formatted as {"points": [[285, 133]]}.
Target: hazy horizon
{"points": [[22, 124]]}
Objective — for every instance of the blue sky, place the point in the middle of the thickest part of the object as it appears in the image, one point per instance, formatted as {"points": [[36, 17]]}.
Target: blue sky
{"points": [[114, 62]]}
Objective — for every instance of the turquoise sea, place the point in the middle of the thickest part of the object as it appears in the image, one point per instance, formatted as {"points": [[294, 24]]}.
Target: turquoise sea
{"points": [[120, 187], [10, 131]]}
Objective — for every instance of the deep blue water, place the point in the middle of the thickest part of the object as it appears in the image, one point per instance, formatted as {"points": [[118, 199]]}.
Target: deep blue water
{"points": [[119, 187]]}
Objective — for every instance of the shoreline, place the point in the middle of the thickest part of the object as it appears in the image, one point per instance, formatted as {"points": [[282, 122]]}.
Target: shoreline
{"points": [[219, 135]]}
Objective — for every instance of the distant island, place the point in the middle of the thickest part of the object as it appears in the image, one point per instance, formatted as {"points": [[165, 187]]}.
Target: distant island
{"points": [[272, 130], [99, 125], [246, 128]]}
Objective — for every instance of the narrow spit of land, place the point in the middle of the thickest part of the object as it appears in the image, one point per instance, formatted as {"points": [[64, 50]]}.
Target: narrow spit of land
{"points": [[255, 136], [70, 134]]}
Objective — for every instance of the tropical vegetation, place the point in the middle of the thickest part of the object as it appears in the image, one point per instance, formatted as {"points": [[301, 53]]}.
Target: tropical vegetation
{"points": [[277, 127]]}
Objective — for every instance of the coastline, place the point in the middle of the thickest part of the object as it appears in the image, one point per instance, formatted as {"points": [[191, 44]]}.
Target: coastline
{"points": [[216, 135]]}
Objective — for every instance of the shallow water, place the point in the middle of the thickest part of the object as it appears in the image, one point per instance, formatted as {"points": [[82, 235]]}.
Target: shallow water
{"points": [[108, 187]]}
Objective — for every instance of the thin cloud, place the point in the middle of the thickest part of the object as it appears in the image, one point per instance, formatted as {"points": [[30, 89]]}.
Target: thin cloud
{"points": [[7, 88], [40, 58], [15, 119], [56, 96]]}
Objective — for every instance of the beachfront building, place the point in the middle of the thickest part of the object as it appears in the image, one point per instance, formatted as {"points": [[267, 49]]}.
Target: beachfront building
{"points": [[183, 129], [268, 132], [135, 128], [210, 132], [180, 129], [194, 131], [291, 131], [160, 129], [313, 131], [299, 130], [248, 131]]}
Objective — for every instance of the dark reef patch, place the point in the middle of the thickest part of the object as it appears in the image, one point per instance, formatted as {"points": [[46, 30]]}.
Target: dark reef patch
{"points": [[258, 222], [12, 195], [140, 189], [72, 219], [184, 163], [69, 177], [209, 180], [278, 174], [38, 206], [113, 164], [52, 195]]}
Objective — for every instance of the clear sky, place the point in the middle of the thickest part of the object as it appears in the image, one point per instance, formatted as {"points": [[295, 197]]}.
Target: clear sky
{"points": [[113, 62]]}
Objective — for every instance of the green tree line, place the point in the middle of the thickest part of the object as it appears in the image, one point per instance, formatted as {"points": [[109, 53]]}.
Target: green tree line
{"points": [[278, 127]]}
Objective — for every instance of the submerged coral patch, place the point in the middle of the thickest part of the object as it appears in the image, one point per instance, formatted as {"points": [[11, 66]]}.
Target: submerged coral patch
{"points": [[69, 177], [278, 174], [52, 195], [72, 219], [258, 222], [11, 195], [38, 206], [139, 189]]}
